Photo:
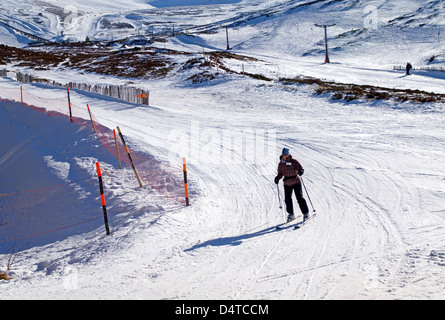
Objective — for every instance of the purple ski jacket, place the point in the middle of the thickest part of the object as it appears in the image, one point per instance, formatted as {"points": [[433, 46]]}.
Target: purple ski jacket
{"points": [[291, 171]]}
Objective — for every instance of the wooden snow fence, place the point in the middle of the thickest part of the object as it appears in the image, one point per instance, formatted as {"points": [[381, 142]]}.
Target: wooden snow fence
{"points": [[122, 92]]}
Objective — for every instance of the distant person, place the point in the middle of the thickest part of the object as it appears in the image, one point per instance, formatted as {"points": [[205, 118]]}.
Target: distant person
{"points": [[408, 68]]}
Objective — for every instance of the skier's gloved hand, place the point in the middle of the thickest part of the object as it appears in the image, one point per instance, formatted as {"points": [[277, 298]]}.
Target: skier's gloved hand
{"points": [[277, 179], [300, 172]]}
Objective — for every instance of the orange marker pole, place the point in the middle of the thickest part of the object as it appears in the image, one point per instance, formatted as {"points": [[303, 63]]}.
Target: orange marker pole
{"points": [[91, 118], [21, 94], [102, 197], [186, 187], [117, 149]]}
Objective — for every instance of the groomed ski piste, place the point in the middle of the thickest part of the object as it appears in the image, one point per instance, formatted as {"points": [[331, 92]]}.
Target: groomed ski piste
{"points": [[374, 169]]}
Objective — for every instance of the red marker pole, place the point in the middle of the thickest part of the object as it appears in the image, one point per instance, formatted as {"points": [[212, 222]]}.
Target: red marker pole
{"points": [[186, 187], [129, 157], [69, 103], [102, 197]]}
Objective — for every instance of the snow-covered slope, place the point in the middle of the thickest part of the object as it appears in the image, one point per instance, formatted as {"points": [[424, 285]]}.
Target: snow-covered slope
{"points": [[57, 20], [374, 172], [373, 169]]}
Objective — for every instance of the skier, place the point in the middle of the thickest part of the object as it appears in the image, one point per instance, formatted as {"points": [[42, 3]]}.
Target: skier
{"points": [[291, 170], [408, 68]]}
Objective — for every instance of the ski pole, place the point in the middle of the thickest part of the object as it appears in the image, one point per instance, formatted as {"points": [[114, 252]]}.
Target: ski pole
{"points": [[308, 196], [279, 197]]}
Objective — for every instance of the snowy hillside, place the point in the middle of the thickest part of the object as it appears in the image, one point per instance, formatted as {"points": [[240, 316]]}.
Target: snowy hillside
{"points": [[373, 167]]}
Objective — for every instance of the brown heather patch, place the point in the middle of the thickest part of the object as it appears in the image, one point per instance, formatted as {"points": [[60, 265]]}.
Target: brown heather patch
{"points": [[350, 92], [126, 63]]}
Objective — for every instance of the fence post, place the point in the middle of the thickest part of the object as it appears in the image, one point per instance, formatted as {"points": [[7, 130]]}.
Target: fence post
{"points": [[102, 197], [227, 38], [187, 203], [129, 157], [117, 149], [91, 118], [69, 103], [145, 98]]}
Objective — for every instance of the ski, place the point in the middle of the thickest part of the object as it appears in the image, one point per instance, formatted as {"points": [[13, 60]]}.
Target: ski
{"points": [[294, 223], [302, 223], [285, 225]]}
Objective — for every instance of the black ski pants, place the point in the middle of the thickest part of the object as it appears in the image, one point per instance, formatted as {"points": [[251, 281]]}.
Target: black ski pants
{"points": [[299, 194]]}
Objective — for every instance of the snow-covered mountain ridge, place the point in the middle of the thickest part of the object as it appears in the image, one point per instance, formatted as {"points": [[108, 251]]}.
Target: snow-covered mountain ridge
{"points": [[369, 34]]}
